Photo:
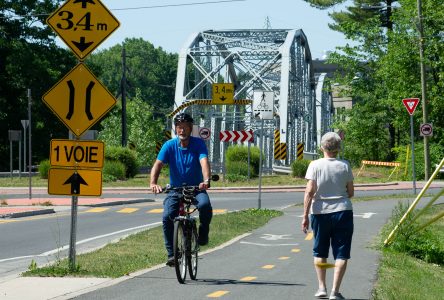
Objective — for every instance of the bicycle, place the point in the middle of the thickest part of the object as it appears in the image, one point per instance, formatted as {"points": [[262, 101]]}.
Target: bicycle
{"points": [[185, 245], [185, 239]]}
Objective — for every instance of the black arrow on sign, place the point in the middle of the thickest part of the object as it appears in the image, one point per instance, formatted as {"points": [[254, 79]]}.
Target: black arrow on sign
{"points": [[82, 45], [84, 2], [75, 180], [223, 98]]}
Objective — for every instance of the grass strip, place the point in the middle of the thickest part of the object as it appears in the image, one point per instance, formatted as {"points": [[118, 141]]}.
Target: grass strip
{"points": [[146, 249], [403, 276]]}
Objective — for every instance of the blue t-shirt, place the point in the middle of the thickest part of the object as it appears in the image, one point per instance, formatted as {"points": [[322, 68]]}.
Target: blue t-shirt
{"points": [[184, 163]]}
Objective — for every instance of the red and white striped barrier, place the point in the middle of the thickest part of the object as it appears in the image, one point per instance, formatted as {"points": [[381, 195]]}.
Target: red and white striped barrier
{"points": [[236, 136]]}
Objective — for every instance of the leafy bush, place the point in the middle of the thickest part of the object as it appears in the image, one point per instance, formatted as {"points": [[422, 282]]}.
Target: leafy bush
{"points": [[124, 155], [237, 161], [237, 168], [44, 166], [113, 170], [299, 168], [235, 177]]}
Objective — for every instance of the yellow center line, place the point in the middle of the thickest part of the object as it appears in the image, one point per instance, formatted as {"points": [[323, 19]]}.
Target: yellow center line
{"points": [[219, 211], [248, 278], [295, 250], [217, 294], [268, 267], [127, 210], [97, 210], [283, 257], [309, 236], [155, 211], [7, 221]]}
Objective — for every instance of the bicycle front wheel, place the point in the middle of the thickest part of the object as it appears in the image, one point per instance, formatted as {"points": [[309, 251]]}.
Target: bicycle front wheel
{"points": [[179, 245], [193, 254]]}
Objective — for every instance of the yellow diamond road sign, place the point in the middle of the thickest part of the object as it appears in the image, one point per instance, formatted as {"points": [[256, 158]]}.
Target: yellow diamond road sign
{"points": [[79, 99], [77, 153], [83, 25], [223, 93], [79, 182]]}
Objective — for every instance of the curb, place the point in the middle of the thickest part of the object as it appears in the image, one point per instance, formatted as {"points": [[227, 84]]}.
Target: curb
{"points": [[27, 213]]}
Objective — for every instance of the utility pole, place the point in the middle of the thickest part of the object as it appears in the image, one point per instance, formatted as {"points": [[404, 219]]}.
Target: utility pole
{"points": [[123, 92], [423, 90], [29, 143]]}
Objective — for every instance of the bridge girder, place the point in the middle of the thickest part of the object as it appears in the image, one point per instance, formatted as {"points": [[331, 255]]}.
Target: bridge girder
{"points": [[277, 60]]}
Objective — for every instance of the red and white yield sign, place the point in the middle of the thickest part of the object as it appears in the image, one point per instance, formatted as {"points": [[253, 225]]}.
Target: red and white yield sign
{"points": [[410, 104], [236, 136]]}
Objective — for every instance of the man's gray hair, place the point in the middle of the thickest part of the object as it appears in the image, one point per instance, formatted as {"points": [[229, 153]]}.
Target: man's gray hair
{"points": [[331, 142]]}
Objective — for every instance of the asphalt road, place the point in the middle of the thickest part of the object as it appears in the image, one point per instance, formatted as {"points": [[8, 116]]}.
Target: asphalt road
{"points": [[45, 238], [274, 262]]}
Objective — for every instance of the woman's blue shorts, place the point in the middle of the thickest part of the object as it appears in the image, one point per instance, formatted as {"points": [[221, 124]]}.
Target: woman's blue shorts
{"points": [[335, 229]]}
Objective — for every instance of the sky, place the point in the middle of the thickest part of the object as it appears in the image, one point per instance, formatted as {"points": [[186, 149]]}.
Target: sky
{"points": [[170, 27]]}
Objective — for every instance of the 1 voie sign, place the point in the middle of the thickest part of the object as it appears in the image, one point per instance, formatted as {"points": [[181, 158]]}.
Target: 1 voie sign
{"points": [[72, 153]]}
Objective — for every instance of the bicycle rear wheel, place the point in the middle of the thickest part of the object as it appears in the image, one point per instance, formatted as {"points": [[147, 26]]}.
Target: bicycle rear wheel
{"points": [[193, 254], [179, 244]]}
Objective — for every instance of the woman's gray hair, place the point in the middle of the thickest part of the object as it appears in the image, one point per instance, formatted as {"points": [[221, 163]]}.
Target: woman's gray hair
{"points": [[331, 142]]}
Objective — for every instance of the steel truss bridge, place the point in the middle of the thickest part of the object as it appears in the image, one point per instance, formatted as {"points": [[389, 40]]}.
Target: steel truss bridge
{"points": [[277, 60]]}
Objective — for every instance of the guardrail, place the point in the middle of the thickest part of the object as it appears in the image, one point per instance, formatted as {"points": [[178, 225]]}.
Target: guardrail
{"points": [[281, 169]]}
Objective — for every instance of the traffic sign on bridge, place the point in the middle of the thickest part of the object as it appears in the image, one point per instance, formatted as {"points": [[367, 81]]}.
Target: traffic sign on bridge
{"points": [[223, 93], [83, 25], [236, 136], [79, 100]]}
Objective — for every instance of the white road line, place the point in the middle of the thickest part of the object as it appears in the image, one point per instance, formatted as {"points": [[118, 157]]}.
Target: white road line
{"points": [[268, 245], [82, 242]]}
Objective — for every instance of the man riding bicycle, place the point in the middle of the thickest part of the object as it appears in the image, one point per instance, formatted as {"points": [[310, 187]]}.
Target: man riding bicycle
{"points": [[187, 158]]}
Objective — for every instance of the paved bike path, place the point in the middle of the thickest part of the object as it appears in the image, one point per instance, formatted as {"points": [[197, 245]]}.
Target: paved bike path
{"points": [[274, 261]]}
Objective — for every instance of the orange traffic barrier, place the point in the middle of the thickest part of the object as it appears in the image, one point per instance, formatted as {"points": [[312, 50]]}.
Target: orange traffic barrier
{"points": [[380, 163]]}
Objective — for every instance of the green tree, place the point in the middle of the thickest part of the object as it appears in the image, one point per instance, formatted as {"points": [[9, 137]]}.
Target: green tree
{"points": [[29, 59], [382, 67], [150, 71], [143, 129]]}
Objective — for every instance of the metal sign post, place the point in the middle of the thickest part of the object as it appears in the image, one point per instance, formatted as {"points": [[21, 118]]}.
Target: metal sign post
{"points": [[72, 239], [25, 124], [262, 108], [413, 155], [411, 104], [29, 143]]}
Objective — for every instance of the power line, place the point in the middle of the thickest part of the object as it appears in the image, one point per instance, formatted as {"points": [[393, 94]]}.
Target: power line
{"points": [[138, 7], [174, 5]]}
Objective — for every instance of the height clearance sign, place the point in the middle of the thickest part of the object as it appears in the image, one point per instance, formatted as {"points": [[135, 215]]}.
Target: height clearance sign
{"points": [[83, 25]]}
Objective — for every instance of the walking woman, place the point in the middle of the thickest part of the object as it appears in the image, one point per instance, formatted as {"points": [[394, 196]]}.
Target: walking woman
{"points": [[327, 200]]}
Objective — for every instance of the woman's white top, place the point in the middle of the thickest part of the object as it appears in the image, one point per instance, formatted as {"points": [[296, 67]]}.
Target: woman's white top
{"points": [[331, 176]]}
